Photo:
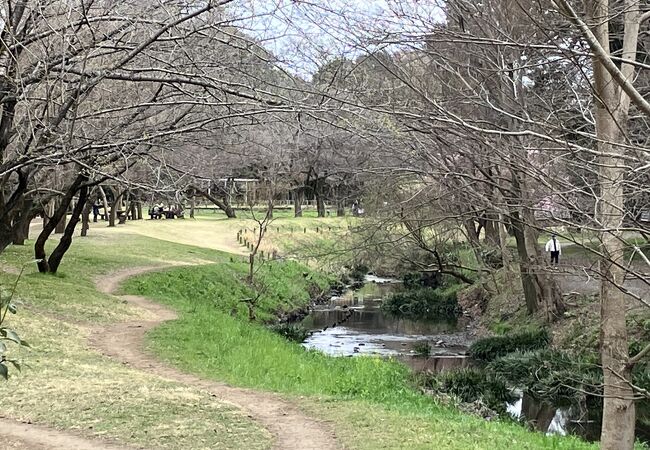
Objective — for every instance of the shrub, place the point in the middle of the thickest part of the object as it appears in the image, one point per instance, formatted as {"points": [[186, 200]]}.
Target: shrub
{"points": [[490, 348], [492, 258], [358, 272], [422, 349], [425, 303], [473, 384], [291, 332], [550, 375], [417, 280], [8, 335], [412, 280]]}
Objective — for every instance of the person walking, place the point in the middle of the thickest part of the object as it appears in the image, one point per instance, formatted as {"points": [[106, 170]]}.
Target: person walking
{"points": [[553, 246]]}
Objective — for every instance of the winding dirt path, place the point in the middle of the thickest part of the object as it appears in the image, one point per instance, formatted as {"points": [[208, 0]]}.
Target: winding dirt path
{"points": [[292, 430], [28, 436]]}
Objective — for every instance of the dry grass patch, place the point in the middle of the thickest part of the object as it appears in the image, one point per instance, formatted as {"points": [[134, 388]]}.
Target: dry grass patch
{"points": [[66, 385]]}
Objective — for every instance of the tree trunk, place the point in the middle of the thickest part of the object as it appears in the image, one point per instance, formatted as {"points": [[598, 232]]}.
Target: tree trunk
{"points": [[117, 199], [60, 226], [612, 109], [298, 200], [503, 239], [340, 208], [230, 211], [133, 210], [492, 237], [527, 275], [618, 411], [138, 210], [269, 209], [21, 223], [320, 205], [472, 237], [9, 206], [5, 235], [104, 201], [66, 240], [540, 290], [39, 245], [85, 218], [223, 205], [192, 205], [48, 212]]}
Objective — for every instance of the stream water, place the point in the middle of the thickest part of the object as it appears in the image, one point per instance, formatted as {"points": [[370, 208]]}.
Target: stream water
{"points": [[354, 324]]}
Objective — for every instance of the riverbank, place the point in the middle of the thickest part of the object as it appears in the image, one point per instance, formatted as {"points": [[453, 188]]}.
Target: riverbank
{"points": [[70, 386], [347, 391]]}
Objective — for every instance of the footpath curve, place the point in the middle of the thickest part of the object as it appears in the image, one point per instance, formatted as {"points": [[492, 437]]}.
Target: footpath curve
{"points": [[291, 429], [29, 436]]}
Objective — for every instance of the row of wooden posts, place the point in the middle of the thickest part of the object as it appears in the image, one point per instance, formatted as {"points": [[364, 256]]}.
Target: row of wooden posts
{"points": [[274, 255], [251, 246], [319, 230]]}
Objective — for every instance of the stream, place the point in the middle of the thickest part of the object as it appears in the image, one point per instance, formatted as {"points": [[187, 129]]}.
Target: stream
{"points": [[353, 324]]}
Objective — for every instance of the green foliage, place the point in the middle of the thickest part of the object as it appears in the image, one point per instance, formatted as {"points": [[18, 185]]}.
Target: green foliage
{"points": [[359, 271], [500, 327], [417, 280], [492, 257], [490, 348], [208, 341], [425, 304], [283, 286], [473, 384], [8, 336], [549, 375], [291, 332], [422, 349], [412, 280]]}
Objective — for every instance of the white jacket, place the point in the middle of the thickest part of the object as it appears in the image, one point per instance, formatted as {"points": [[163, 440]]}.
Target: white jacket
{"points": [[553, 245]]}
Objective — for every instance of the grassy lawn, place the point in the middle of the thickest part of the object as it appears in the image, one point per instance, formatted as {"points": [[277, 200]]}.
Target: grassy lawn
{"points": [[67, 385]]}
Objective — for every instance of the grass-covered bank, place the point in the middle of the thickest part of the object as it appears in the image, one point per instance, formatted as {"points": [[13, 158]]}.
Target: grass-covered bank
{"points": [[66, 384], [371, 402]]}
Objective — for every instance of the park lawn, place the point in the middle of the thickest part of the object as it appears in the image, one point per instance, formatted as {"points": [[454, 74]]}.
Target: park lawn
{"points": [[66, 385], [371, 401], [106, 250]]}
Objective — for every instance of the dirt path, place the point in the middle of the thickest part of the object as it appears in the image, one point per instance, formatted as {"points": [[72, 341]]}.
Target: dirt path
{"points": [[291, 429], [27, 436]]}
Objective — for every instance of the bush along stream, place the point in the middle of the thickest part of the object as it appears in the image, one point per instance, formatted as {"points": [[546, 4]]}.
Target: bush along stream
{"points": [[520, 376]]}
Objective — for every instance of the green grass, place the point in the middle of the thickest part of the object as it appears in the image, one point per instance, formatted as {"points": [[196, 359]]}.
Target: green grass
{"points": [[74, 295], [65, 384], [371, 401], [284, 286]]}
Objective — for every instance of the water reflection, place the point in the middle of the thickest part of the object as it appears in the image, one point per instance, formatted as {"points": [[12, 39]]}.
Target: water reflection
{"points": [[354, 324], [584, 422]]}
